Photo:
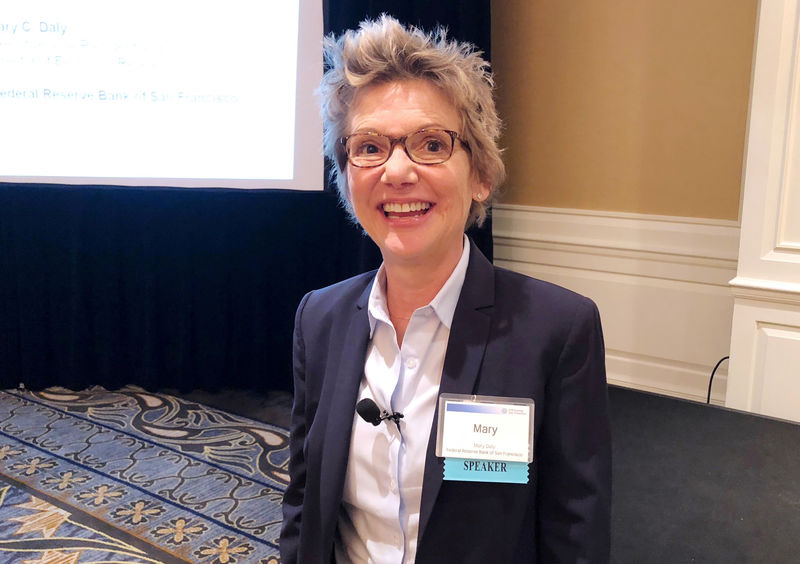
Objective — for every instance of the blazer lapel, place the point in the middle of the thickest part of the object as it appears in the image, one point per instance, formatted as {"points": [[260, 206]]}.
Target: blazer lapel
{"points": [[342, 389], [462, 364]]}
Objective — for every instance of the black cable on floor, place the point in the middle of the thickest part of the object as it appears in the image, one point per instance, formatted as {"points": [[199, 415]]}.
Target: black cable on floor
{"points": [[711, 380]]}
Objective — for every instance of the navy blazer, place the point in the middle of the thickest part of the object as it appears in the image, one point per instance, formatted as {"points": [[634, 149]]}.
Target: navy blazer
{"points": [[511, 336]]}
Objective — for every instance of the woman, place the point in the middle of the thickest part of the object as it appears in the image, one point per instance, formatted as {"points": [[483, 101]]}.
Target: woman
{"points": [[411, 127]]}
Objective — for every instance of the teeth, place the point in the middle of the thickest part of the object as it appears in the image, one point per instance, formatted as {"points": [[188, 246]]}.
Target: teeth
{"points": [[395, 207]]}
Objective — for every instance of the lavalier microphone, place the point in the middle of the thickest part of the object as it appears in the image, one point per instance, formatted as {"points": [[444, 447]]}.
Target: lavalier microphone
{"points": [[371, 413]]}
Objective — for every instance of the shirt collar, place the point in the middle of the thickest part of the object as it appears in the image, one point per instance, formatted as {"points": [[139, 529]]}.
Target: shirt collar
{"points": [[443, 304]]}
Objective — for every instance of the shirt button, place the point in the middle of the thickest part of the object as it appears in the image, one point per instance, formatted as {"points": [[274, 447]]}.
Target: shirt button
{"points": [[411, 363]]}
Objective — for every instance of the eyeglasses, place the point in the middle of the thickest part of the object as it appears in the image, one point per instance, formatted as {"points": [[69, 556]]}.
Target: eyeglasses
{"points": [[426, 146]]}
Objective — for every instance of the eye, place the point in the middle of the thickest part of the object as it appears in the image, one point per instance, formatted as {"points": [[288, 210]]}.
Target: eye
{"points": [[434, 146], [429, 144], [366, 148]]}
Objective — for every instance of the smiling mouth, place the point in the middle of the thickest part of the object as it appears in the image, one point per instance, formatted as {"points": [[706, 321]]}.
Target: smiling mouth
{"points": [[407, 209]]}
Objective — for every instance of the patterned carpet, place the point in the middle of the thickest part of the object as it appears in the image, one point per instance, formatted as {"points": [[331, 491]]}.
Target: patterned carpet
{"points": [[132, 476]]}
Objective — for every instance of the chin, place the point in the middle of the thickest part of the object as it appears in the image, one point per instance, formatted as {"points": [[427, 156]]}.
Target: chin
{"points": [[406, 246]]}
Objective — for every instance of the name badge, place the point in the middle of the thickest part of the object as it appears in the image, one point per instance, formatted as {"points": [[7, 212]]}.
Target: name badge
{"points": [[485, 438]]}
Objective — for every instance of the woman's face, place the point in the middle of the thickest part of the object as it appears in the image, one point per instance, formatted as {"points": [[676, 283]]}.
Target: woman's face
{"points": [[439, 195]]}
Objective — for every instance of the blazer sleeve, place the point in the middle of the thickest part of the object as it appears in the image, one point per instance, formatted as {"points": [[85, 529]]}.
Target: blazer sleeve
{"points": [[574, 490], [293, 497]]}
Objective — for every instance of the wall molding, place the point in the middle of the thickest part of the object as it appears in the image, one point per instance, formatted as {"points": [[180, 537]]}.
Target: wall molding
{"points": [[714, 239], [661, 283], [765, 337], [627, 370], [774, 291]]}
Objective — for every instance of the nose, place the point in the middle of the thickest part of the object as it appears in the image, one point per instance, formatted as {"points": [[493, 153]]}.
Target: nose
{"points": [[399, 169]]}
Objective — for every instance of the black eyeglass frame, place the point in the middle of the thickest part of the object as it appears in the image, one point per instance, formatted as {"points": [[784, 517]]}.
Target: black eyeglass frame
{"points": [[402, 141]]}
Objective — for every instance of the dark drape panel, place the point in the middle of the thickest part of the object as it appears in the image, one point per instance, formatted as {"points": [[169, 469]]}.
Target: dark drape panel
{"points": [[465, 20], [161, 287], [185, 288]]}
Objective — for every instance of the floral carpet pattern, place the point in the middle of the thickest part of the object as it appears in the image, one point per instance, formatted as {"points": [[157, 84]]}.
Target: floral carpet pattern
{"points": [[132, 476]]}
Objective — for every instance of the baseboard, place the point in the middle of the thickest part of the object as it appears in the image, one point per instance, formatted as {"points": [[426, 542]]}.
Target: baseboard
{"points": [[661, 284], [666, 377]]}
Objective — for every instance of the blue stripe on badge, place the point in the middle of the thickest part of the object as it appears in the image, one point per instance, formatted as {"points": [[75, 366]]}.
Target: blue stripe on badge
{"points": [[476, 408], [473, 470]]}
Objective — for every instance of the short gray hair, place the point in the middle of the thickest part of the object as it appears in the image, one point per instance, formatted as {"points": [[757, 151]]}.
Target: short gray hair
{"points": [[382, 51]]}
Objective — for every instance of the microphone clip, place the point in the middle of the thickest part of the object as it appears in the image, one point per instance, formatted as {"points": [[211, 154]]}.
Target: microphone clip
{"points": [[371, 413], [396, 416]]}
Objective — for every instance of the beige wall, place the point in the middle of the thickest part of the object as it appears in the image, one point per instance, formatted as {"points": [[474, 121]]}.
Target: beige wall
{"points": [[625, 105]]}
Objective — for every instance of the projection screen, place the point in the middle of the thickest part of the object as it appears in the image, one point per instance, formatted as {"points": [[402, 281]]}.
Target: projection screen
{"points": [[182, 93]]}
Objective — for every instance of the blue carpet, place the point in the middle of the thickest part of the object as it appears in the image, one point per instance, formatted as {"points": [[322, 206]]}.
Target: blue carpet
{"points": [[131, 476]]}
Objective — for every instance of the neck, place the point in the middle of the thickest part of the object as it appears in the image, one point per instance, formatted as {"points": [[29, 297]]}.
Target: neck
{"points": [[412, 285]]}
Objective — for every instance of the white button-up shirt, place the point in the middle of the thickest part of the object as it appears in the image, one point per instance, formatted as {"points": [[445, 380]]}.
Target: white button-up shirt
{"points": [[379, 519]]}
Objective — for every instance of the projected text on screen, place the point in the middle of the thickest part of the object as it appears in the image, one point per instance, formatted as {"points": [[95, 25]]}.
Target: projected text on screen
{"points": [[179, 93]]}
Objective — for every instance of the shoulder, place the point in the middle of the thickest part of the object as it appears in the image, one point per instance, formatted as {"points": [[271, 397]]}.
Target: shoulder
{"points": [[486, 284], [519, 299], [518, 289], [333, 298], [536, 307]]}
